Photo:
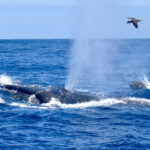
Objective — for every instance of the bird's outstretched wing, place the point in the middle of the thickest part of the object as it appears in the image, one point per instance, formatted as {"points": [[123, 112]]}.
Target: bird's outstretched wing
{"points": [[135, 24]]}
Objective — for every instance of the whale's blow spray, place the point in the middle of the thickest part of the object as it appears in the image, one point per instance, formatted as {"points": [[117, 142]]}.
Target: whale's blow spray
{"points": [[99, 59], [90, 62]]}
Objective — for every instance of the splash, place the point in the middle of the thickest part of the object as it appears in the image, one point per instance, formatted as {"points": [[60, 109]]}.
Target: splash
{"points": [[4, 79], [146, 82]]}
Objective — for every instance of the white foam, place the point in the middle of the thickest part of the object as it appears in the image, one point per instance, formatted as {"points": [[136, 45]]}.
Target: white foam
{"points": [[104, 102], [23, 105], [4, 79], [2, 101], [108, 102], [19, 104]]}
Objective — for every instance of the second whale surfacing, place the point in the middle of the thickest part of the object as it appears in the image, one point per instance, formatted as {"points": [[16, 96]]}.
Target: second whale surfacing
{"points": [[135, 85], [40, 95], [139, 90]]}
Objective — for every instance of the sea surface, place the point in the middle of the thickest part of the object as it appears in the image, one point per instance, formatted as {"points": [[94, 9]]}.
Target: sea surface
{"points": [[120, 121]]}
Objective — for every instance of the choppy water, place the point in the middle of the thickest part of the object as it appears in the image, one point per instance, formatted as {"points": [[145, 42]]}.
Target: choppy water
{"points": [[111, 123]]}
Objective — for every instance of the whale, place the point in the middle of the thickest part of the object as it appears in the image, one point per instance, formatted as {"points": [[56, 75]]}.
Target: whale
{"points": [[41, 94], [135, 85], [139, 90]]}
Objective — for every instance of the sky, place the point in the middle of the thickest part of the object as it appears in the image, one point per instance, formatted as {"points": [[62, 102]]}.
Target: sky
{"points": [[51, 19]]}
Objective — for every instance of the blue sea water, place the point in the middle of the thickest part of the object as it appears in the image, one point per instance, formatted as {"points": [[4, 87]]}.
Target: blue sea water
{"points": [[117, 122]]}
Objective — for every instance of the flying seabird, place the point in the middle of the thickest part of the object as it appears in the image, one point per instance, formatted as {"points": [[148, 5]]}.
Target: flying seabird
{"points": [[134, 21]]}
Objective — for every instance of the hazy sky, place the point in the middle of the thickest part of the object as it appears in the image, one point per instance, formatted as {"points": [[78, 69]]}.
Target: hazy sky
{"points": [[68, 19]]}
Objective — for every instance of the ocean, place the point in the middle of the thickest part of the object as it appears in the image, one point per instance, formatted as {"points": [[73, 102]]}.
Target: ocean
{"points": [[119, 121]]}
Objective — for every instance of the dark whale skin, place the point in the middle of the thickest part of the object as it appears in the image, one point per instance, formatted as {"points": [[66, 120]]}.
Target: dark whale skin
{"points": [[44, 95]]}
